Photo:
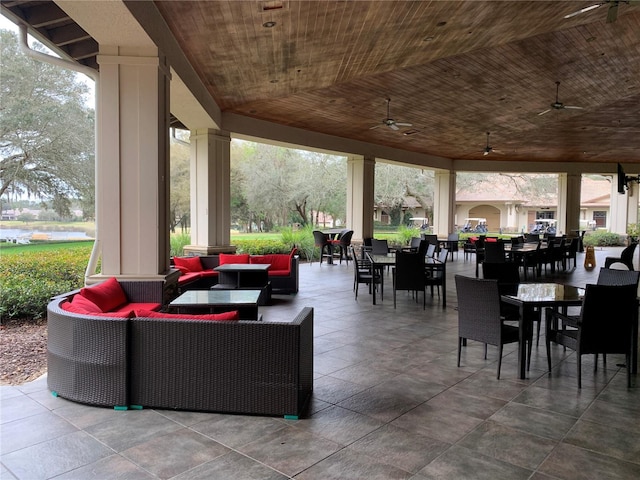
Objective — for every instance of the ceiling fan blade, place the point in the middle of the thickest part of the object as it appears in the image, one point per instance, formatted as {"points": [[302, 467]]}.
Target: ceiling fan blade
{"points": [[404, 124], [393, 126], [486, 152], [583, 10], [612, 14], [573, 107], [546, 111], [375, 126]]}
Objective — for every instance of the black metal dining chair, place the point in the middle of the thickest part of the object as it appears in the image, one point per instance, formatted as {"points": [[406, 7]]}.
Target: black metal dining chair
{"points": [[408, 274]]}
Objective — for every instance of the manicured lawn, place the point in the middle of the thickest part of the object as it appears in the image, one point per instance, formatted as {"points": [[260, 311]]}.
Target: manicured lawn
{"points": [[13, 249]]}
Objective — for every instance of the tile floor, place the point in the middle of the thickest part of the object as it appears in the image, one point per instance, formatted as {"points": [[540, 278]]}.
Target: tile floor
{"points": [[389, 403]]}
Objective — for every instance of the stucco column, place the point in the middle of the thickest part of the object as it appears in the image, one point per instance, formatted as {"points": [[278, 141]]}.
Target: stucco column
{"points": [[210, 181], [569, 186], [360, 196], [444, 190], [132, 178], [624, 207]]}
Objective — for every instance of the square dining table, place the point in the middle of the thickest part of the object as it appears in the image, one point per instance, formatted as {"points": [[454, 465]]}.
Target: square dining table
{"points": [[532, 296]]}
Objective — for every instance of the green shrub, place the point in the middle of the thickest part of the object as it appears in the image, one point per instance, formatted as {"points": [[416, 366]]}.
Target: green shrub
{"points": [[28, 281], [261, 246], [601, 239], [178, 242], [405, 234]]}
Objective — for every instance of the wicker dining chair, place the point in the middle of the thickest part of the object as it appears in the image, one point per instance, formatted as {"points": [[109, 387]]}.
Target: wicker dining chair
{"points": [[479, 316]]}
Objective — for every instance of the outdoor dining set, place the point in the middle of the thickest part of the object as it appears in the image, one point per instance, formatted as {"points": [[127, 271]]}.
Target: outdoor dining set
{"points": [[497, 307]]}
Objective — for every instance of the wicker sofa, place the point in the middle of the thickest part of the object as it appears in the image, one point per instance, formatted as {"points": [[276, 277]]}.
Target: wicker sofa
{"points": [[262, 368], [283, 274]]}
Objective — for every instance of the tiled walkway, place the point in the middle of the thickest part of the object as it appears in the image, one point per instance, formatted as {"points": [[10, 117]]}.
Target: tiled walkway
{"points": [[389, 403]]}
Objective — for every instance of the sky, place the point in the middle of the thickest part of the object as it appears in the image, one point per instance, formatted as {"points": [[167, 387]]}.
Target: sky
{"points": [[7, 24]]}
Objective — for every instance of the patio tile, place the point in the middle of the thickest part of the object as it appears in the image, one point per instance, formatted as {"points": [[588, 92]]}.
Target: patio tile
{"points": [[459, 462], [348, 464], [234, 431], [535, 421], [132, 428], [509, 445], [175, 453], [609, 440], [114, 467], [32, 430], [569, 462], [232, 466], [54, 457]]}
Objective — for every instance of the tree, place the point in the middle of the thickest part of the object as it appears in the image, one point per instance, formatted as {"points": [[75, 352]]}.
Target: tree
{"points": [[46, 132], [179, 197], [394, 183]]}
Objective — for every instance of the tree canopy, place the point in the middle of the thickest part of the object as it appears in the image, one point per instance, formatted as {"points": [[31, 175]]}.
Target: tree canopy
{"points": [[46, 131]]}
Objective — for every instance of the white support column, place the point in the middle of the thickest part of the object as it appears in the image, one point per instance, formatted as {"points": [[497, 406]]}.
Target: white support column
{"points": [[569, 186], [621, 207], [444, 202], [132, 181], [360, 196], [210, 192]]}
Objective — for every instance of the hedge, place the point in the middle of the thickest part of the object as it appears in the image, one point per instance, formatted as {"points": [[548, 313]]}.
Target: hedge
{"points": [[29, 280]]}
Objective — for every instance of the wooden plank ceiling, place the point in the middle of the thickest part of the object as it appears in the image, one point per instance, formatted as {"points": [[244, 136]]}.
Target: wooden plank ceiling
{"points": [[455, 70]]}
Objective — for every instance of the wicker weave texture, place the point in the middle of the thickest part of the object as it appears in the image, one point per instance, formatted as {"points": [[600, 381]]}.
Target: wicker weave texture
{"points": [[87, 357], [241, 367]]}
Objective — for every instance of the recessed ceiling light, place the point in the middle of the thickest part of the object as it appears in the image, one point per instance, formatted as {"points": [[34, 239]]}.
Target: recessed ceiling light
{"points": [[428, 39], [410, 132], [269, 24]]}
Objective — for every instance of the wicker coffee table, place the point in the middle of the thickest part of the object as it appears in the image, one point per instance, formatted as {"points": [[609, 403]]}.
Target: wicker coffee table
{"points": [[216, 301]]}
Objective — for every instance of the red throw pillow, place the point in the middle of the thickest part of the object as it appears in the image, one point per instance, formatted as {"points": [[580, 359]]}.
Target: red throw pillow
{"points": [[192, 264], [107, 295], [183, 270], [234, 315], [73, 307], [84, 303], [233, 258]]}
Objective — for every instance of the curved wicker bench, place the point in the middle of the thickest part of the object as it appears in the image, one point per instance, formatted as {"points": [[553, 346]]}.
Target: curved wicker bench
{"points": [[250, 367]]}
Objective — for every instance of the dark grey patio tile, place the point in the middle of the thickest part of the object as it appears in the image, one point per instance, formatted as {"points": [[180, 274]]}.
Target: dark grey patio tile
{"points": [[32, 430], [85, 416], [54, 457], [326, 363], [15, 408], [400, 448], [132, 428], [509, 445], [567, 401], [114, 467], [485, 383], [290, 451], [187, 418], [536, 421], [169, 455], [380, 403], [350, 465], [568, 462], [338, 425], [458, 463], [473, 405], [232, 466], [334, 390], [440, 423], [624, 417], [609, 440], [363, 374], [238, 430]]}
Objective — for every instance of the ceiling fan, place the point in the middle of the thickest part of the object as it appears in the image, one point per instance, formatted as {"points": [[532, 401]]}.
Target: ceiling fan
{"points": [[390, 122], [612, 14], [559, 105], [489, 149]]}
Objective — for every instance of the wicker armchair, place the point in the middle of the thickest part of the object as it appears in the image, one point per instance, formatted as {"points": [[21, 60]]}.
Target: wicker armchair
{"points": [[605, 325], [625, 257], [479, 315]]}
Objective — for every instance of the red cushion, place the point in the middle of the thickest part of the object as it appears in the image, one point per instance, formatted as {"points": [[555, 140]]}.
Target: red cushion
{"points": [[279, 273], [183, 270], [233, 258], [73, 308], [260, 259], [84, 303], [192, 264], [491, 240], [234, 315], [280, 262], [107, 295], [140, 306], [189, 277]]}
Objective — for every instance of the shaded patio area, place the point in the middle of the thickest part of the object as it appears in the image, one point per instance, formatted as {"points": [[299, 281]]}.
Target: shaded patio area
{"points": [[388, 403]]}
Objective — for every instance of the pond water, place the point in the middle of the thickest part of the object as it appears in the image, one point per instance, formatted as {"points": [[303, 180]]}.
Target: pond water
{"points": [[13, 234]]}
